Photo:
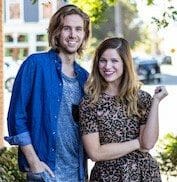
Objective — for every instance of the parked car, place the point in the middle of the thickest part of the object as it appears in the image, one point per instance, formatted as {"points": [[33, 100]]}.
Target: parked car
{"points": [[164, 59], [148, 69], [167, 60], [10, 70]]}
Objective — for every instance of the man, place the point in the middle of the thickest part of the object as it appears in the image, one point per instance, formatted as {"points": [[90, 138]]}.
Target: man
{"points": [[47, 88]]}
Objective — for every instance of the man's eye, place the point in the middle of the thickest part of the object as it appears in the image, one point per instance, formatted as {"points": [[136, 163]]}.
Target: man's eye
{"points": [[65, 28], [79, 29]]}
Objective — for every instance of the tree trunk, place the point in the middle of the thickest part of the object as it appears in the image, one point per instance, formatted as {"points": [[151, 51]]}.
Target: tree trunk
{"points": [[118, 20], [1, 74]]}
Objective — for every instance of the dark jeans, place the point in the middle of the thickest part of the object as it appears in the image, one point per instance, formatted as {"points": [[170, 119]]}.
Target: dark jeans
{"points": [[35, 177]]}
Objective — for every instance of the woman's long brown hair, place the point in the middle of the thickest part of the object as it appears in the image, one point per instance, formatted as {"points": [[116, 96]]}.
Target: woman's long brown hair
{"points": [[129, 85]]}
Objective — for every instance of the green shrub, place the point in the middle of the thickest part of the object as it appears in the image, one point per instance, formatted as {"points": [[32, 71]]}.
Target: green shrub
{"points": [[9, 171], [167, 155]]}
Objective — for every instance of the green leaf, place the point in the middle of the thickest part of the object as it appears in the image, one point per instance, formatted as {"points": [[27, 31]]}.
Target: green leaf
{"points": [[33, 1], [150, 2], [167, 148]]}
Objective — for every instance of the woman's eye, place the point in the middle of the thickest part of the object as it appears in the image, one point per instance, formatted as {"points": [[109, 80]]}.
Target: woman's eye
{"points": [[102, 61], [115, 60]]}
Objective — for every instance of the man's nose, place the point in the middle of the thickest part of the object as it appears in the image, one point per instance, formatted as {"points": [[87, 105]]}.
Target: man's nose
{"points": [[73, 33]]}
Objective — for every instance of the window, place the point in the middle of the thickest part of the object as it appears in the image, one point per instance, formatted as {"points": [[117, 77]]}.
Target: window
{"points": [[17, 53], [14, 10], [22, 38], [41, 38], [9, 38], [41, 48], [46, 9], [8, 52]]}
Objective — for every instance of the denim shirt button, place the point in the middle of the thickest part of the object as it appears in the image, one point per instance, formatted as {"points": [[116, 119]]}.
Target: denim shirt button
{"points": [[55, 117], [53, 149], [53, 132]]}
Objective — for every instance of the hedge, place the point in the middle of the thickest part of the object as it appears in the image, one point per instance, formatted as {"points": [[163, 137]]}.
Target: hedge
{"points": [[9, 171]]}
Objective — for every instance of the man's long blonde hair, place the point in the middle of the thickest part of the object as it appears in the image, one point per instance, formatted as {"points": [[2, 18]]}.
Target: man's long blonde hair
{"points": [[56, 25], [129, 85]]}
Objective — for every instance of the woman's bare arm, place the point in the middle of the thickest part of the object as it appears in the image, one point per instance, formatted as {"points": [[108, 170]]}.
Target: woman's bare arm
{"points": [[98, 152], [150, 131]]}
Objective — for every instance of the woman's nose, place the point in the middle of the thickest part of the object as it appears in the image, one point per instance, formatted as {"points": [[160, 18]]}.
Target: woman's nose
{"points": [[108, 64]]}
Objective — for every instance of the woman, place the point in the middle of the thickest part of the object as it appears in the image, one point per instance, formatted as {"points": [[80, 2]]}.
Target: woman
{"points": [[119, 121]]}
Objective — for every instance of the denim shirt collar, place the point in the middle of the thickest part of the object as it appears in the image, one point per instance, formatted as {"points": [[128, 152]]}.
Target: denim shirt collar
{"points": [[58, 62]]}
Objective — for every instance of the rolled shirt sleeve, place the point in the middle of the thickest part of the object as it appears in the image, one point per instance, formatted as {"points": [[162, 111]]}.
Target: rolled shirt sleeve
{"points": [[20, 139], [18, 118]]}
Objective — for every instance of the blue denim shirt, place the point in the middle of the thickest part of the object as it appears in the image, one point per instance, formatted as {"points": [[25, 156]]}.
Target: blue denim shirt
{"points": [[34, 106]]}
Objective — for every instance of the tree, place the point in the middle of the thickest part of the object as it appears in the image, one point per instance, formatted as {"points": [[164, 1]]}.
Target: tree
{"points": [[130, 24], [96, 8], [130, 27], [169, 14], [167, 155]]}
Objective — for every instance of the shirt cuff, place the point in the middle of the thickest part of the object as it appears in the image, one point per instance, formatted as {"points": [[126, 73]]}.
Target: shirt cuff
{"points": [[21, 139]]}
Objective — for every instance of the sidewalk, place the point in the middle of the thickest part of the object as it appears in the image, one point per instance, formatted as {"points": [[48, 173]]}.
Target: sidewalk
{"points": [[170, 179]]}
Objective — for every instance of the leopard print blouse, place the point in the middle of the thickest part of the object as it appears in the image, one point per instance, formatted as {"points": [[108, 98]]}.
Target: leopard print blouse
{"points": [[109, 117]]}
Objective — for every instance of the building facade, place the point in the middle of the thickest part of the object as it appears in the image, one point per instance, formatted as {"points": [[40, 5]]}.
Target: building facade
{"points": [[25, 26], [1, 73]]}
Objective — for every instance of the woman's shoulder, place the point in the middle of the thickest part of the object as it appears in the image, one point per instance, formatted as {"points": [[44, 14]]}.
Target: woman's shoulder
{"points": [[143, 93], [86, 99], [144, 97], [86, 104]]}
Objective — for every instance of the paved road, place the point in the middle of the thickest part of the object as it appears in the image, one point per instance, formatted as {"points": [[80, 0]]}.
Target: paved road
{"points": [[168, 106]]}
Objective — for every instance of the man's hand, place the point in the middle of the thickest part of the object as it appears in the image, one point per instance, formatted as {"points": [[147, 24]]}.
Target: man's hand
{"points": [[38, 167]]}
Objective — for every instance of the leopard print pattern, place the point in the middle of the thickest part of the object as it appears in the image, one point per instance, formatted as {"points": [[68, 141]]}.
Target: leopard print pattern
{"points": [[109, 117]]}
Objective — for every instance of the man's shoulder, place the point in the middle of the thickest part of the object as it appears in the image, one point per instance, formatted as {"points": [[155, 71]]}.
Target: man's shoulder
{"points": [[38, 58], [38, 55], [84, 73]]}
